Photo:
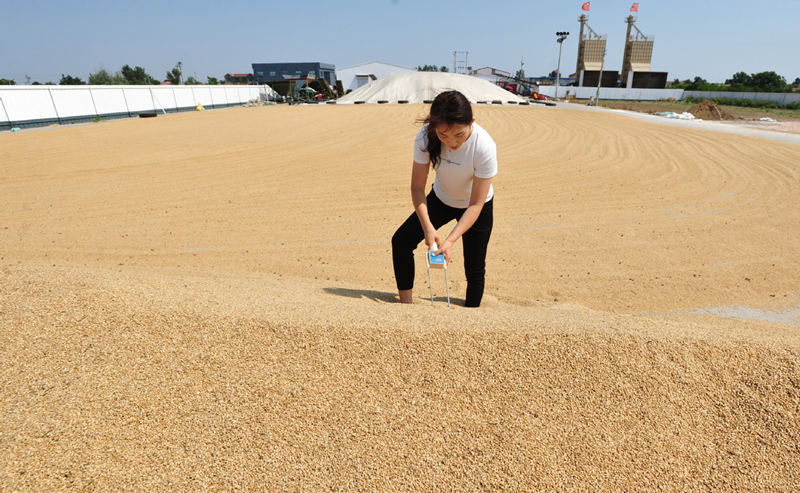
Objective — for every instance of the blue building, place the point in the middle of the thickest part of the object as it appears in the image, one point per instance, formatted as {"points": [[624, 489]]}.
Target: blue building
{"points": [[269, 72]]}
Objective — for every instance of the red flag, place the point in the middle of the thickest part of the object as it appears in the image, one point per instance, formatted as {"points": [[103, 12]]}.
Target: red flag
{"points": [[585, 6], [635, 7]]}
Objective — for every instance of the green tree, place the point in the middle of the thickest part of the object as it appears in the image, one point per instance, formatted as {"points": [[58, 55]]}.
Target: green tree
{"points": [[136, 76], [212, 81], [431, 68], [100, 78], [191, 81], [7, 82], [740, 79], [769, 82], [103, 78], [174, 76], [68, 80], [554, 73], [796, 82], [520, 75], [698, 84]]}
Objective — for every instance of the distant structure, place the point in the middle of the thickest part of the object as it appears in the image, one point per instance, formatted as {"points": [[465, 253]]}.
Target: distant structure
{"points": [[564, 80], [490, 73], [271, 72], [636, 60], [362, 74], [591, 57], [509, 81], [461, 62], [241, 79]]}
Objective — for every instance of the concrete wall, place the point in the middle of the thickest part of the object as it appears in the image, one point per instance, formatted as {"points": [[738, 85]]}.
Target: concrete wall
{"points": [[657, 94], [613, 93], [23, 106]]}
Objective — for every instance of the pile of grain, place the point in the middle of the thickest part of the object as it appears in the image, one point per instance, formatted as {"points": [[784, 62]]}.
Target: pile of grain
{"points": [[417, 87], [205, 301]]}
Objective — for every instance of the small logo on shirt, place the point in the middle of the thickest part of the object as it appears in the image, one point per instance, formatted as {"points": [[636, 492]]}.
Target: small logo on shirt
{"points": [[452, 162]]}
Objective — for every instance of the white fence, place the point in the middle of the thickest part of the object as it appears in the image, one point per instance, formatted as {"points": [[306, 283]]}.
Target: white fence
{"points": [[43, 105], [659, 94], [613, 93]]}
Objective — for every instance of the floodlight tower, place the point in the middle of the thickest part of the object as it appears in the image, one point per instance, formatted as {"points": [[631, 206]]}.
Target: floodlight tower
{"points": [[561, 36]]}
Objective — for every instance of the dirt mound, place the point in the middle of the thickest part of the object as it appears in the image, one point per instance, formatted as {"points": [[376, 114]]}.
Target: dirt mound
{"points": [[708, 110]]}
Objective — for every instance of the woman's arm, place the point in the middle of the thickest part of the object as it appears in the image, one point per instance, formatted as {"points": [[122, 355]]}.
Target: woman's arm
{"points": [[419, 178], [480, 190]]}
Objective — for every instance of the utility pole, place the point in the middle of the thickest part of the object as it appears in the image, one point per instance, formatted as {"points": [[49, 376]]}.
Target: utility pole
{"points": [[180, 73], [562, 35], [600, 78]]}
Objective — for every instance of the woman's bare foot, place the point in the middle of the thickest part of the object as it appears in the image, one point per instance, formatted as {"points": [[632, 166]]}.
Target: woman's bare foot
{"points": [[405, 296]]}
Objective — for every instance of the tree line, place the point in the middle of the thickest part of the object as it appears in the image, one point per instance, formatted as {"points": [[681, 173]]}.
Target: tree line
{"points": [[431, 68], [125, 76], [741, 82]]}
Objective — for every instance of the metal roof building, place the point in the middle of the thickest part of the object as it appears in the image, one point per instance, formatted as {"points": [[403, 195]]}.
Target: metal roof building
{"points": [[269, 72], [359, 75]]}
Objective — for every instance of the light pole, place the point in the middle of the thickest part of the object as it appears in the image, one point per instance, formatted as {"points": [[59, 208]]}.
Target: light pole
{"points": [[600, 78], [561, 37]]}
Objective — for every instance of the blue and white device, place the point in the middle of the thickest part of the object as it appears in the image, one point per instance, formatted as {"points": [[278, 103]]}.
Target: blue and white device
{"points": [[437, 262]]}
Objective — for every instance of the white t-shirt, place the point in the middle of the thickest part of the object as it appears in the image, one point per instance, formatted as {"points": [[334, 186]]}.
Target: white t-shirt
{"points": [[477, 157]]}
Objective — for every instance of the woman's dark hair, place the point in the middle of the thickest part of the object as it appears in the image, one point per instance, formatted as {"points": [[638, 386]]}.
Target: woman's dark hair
{"points": [[447, 108]]}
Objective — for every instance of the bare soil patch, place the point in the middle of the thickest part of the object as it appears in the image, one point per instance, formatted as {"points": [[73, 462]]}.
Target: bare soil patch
{"points": [[709, 110], [739, 112]]}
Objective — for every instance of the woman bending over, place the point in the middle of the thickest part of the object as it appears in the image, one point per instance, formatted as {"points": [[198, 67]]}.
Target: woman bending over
{"points": [[464, 157]]}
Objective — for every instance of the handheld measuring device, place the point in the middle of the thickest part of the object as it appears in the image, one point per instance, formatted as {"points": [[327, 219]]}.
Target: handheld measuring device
{"points": [[436, 262]]}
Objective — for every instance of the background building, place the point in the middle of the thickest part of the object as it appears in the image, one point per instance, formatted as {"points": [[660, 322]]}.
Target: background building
{"points": [[591, 52], [238, 78], [489, 73], [269, 72], [636, 60], [564, 80], [591, 57], [362, 74]]}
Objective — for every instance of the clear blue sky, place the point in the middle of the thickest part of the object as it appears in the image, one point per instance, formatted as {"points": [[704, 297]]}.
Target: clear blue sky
{"points": [[712, 39]]}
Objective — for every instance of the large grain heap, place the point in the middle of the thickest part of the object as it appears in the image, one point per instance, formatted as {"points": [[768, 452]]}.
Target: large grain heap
{"points": [[417, 87]]}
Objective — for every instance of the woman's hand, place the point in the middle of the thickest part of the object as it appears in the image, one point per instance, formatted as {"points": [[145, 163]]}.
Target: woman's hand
{"points": [[431, 237], [445, 249]]}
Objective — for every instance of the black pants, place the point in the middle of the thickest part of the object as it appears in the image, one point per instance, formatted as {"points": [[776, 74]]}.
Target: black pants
{"points": [[475, 241]]}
